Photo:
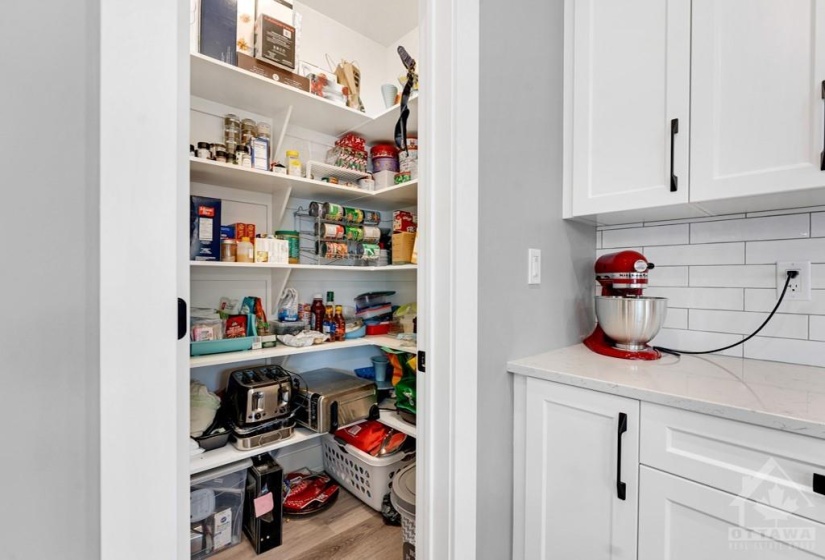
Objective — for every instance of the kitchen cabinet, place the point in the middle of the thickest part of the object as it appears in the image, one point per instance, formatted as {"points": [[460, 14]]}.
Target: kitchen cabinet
{"points": [[757, 94], [746, 81], [697, 485], [581, 460], [628, 71], [682, 520]]}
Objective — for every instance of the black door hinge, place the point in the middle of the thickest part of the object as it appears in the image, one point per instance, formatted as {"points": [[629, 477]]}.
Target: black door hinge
{"points": [[182, 317], [422, 361]]}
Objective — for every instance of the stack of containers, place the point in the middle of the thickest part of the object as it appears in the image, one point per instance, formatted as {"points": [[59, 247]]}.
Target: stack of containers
{"points": [[350, 152], [408, 161], [384, 165], [375, 309]]}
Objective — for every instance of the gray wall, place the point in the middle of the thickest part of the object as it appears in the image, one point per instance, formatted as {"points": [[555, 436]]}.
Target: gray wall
{"points": [[519, 208], [48, 457]]}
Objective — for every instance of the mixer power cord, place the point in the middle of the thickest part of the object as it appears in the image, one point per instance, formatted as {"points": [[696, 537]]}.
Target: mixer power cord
{"points": [[791, 274]]}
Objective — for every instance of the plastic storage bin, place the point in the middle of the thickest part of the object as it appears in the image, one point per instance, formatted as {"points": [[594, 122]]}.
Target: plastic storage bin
{"points": [[402, 498], [367, 477], [216, 509]]}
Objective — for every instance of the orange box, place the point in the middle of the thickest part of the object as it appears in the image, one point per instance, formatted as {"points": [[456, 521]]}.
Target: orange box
{"points": [[244, 230]]}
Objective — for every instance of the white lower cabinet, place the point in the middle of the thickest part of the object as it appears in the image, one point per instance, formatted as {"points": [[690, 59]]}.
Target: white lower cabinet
{"points": [[598, 476], [581, 472], [682, 520]]}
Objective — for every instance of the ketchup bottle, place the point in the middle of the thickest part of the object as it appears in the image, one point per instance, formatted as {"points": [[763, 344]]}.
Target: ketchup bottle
{"points": [[318, 311]]}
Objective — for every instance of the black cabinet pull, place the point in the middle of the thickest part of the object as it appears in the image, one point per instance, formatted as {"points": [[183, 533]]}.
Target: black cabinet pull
{"points": [[819, 483], [822, 163], [674, 129], [182, 317], [621, 487]]}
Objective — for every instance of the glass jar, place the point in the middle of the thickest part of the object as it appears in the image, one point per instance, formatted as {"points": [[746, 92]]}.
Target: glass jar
{"points": [[246, 251], [293, 163], [229, 250], [249, 130], [264, 130], [203, 150], [220, 156], [242, 157]]}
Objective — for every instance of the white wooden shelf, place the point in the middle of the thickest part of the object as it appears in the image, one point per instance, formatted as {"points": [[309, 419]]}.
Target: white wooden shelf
{"points": [[319, 169], [233, 176], [239, 266], [230, 454], [382, 126], [393, 420], [216, 81], [283, 350]]}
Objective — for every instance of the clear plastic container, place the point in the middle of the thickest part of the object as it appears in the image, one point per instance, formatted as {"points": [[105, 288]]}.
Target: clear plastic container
{"points": [[246, 251], [264, 130], [216, 500], [287, 327]]}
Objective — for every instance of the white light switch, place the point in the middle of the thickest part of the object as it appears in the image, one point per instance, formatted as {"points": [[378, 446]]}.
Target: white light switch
{"points": [[534, 266]]}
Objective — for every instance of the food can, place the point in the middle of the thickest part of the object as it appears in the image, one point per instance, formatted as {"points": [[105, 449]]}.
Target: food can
{"points": [[353, 215], [315, 209], [354, 233], [294, 242], [371, 234], [370, 251], [334, 212], [372, 217], [329, 231]]}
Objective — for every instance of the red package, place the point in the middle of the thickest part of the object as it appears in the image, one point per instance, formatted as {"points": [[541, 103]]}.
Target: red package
{"points": [[306, 489], [369, 436], [404, 222], [235, 326]]}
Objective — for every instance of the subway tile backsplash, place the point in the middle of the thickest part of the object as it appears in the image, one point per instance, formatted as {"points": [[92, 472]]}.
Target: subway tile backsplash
{"points": [[719, 275]]}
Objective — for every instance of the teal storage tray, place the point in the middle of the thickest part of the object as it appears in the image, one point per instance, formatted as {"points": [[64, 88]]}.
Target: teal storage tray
{"points": [[220, 346]]}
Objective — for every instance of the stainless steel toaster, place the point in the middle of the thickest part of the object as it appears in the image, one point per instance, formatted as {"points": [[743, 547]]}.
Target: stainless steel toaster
{"points": [[326, 399], [257, 395]]}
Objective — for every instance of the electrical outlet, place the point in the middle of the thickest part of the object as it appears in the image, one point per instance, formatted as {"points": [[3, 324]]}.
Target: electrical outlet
{"points": [[799, 288]]}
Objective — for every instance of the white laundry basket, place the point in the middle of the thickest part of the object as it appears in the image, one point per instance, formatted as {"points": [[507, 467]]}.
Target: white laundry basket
{"points": [[367, 477]]}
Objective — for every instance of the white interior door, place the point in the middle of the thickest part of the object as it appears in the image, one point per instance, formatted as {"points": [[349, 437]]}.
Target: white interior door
{"points": [[682, 520], [628, 64], [573, 506], [757, 97]]}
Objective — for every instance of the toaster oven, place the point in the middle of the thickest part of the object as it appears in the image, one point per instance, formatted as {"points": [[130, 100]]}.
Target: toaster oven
{"points": [[326, 399]]}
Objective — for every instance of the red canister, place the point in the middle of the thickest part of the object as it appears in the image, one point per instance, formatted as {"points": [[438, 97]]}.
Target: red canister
{"points": [[384, 158]]}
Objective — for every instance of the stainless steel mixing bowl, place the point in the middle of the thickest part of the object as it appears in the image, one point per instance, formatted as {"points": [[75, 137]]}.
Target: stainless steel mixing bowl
{"points": [[631, 322]]}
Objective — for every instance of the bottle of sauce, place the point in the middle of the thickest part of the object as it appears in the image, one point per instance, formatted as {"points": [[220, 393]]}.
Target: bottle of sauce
{"points": [[329, 316], [318, 312], [245, 251], [340, 323]]}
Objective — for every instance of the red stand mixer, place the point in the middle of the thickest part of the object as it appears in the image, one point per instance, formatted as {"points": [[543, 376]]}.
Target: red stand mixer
{"points": [[627, 320]]}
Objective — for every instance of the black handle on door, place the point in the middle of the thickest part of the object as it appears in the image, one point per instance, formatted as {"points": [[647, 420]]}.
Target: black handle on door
{"points": [[819, 484], [822, 164], [181, 318], [621, 487], [674, 129]]}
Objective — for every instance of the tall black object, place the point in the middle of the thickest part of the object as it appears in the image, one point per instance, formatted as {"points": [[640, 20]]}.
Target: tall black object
{"points": [[263, 477]]}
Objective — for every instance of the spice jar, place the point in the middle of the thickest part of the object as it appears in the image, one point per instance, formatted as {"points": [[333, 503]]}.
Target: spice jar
{"points": [[242, 157], [220, 156], [249, 130], [204, 151], [229, 250], [293, 163], [245, 251]]}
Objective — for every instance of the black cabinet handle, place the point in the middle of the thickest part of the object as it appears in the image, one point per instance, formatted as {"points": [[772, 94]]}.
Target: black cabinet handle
{"points": [[674, 129], [182, 316], [822, 163], [621, 487], [819, 484]]}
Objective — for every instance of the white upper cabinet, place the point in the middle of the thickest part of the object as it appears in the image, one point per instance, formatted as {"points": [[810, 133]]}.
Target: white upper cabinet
{"points": [[627, 74], [757, 106]]}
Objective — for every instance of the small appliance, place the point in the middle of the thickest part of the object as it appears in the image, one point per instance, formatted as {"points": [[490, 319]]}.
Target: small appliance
{"points": [[258, 406], [326, 399], [627, 320]]}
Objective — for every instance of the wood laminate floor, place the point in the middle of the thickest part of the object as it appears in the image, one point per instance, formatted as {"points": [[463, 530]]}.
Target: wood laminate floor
{"points": [[349, 530]]}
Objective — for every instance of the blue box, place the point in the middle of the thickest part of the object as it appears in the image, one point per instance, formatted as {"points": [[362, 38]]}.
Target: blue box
{"points": [[228, 232], [219, 29], [204, 228]]}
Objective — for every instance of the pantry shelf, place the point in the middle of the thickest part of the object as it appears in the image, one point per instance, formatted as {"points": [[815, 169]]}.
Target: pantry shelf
{"points": [[216, 81], [229, 454], [382, 126], [281, 351], [393, 420], [232, 176], [236, 265]]}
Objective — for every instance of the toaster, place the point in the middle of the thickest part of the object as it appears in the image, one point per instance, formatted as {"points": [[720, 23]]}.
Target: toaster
{"points": [[257, 395], [326, 399]]}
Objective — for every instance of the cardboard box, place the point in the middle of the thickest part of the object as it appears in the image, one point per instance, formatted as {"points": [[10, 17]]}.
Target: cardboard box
{"points": [[244, 230], [272, 72], [204, 228], [245, 36], [275, 42], [227, 232], [402, 247], [281, 10], [404, 222], [259, 149], [218, 31]]}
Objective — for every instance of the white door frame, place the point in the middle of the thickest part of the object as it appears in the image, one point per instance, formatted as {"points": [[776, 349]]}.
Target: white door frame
{"points": [[448, 279], [140, 96]]}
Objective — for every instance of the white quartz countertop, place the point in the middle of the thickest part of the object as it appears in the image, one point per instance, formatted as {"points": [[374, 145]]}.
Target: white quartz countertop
{"points": [[777, 395]]}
